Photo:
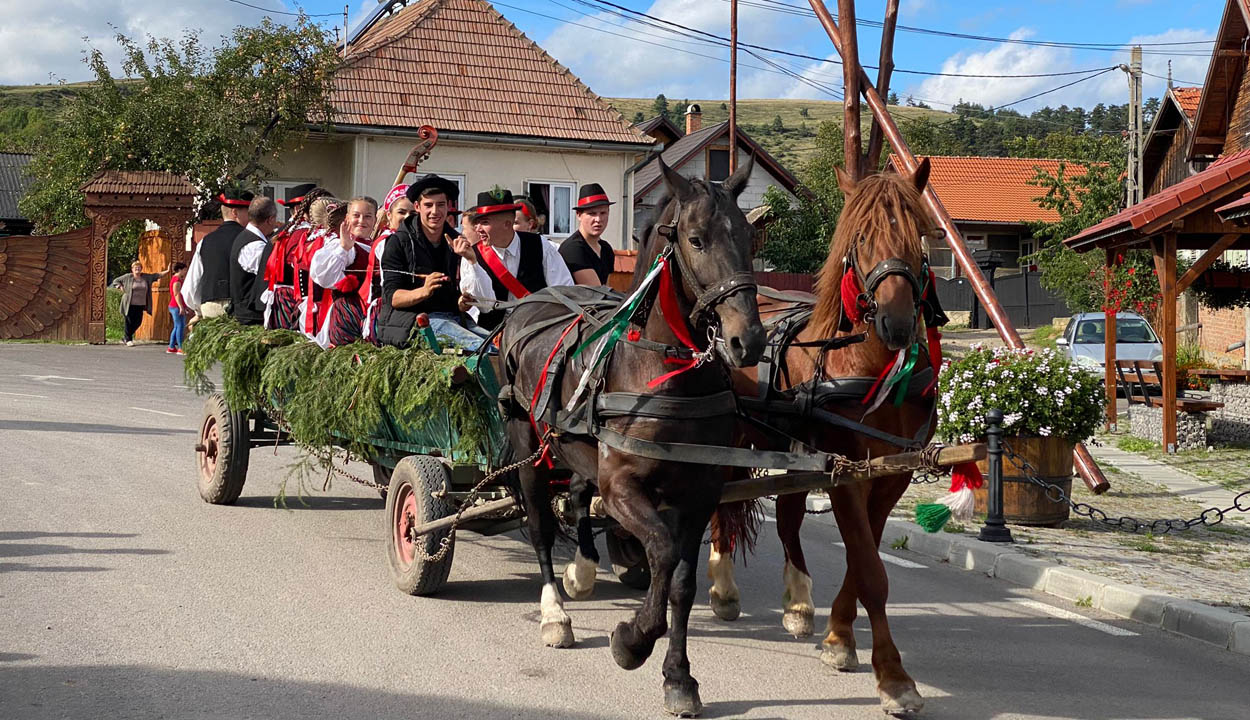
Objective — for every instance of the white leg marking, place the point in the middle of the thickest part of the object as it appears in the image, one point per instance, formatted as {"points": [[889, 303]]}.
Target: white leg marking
{"points": [[579, 577], [797, 602], [557, 627], [723, 595]]}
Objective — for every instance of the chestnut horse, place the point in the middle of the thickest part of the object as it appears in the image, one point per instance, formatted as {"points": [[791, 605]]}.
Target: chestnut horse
{"points": [[651, 395], [877, 262]]}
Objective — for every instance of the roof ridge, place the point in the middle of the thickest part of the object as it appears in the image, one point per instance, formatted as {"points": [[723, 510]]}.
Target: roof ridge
{"points": [[993, 157]]}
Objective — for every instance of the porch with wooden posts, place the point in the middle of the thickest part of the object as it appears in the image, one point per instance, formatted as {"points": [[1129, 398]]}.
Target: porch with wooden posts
{"points": [[1205, 212]]}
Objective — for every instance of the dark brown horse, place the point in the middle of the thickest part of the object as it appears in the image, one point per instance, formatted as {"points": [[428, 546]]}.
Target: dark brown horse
{"points": [[705, 241], [878, 243]]}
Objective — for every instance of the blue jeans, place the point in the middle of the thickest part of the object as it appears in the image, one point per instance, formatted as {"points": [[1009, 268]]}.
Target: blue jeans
{"points": [[180, 329], [446, 326]]}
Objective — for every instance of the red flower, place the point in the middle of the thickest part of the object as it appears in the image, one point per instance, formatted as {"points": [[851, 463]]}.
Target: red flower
{"points": [[1132, 271], [633, 335]]}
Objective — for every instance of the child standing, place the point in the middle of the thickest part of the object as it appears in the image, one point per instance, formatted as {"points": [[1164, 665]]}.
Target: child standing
{"points": [[177, 309]]}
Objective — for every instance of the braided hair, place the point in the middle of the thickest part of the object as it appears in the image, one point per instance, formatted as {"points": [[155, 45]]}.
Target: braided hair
{"points": [[301, 210]]}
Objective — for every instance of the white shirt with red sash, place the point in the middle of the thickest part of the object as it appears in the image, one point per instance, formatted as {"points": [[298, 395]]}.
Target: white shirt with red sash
{"points": [[475, 281]]}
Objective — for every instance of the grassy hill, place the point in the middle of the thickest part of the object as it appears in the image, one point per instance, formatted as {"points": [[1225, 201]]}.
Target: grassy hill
{"points": [[795, 142]]}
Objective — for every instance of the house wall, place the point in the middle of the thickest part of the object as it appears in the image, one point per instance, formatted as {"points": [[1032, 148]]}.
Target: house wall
{"points": [[696, 167], [1220, 329], [978, 236], [365, 165], [1239, 122], [1174, 167]]}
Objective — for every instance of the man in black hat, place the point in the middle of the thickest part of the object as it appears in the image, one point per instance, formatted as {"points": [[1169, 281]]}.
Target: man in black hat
{"points": [[206, 288], [505, 264], [590, 258], [297, 194], [421, 271], [245, 256]]}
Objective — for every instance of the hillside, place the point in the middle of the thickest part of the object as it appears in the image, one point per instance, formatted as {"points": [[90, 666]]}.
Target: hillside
{"points": [[791, 145]]}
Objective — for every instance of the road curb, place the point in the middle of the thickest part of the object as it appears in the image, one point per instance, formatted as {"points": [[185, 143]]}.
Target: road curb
{"points": [[1217, 626]]}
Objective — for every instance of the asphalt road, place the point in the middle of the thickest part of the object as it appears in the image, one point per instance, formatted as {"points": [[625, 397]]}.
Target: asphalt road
{"points": [[123, 595]]}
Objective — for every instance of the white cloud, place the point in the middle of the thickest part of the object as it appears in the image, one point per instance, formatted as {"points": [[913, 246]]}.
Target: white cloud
{"points": [[1001, 59], [43, 42], [629, 66]]}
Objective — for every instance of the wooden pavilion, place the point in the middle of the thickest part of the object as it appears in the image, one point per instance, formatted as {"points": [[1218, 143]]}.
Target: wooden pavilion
{"points": [[1205, 211]]}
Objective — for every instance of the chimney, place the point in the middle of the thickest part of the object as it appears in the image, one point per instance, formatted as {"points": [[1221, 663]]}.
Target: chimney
{"points": [[694, 118]]}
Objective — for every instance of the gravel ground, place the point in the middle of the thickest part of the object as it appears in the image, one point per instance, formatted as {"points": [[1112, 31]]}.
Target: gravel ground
{"points": [[1209, 565]]}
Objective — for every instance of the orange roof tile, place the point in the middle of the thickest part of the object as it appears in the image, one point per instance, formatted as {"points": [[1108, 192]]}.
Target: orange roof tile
{"points": [[459, 65], [992, 189], [1192, 192], [1187, 99]]}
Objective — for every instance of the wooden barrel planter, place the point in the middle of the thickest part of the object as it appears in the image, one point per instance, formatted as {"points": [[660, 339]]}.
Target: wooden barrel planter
{"points": [[1023, 502]]}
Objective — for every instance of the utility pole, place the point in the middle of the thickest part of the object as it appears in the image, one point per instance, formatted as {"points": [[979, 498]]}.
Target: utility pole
{"points": [[345, 9], [1135, 129], [733, 86]]}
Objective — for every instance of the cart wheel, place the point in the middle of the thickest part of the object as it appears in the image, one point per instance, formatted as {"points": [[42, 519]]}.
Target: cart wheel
{"points": [[382, 476], [411, 501], [629, 559], [222, 454]]}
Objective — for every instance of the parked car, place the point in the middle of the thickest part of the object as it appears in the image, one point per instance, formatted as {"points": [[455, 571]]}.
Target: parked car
{"points": [[1084, 339]]}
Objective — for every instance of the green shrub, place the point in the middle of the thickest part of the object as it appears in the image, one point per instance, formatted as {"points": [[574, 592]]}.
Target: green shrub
{"points": [[113, 323]]}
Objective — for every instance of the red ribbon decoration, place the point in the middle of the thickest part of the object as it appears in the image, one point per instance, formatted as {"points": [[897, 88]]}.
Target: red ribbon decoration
{"points": [[500, 271], [373, 254], [966, 475], [538, 389], [677, 323], [488, 209], [850, 298], [591, 199]]}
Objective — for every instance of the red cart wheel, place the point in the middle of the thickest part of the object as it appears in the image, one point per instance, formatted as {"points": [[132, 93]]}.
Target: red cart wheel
{"points": [[411, 501], [222, 453]]}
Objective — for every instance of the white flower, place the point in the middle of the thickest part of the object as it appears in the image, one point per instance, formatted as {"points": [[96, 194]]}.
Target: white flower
{"points": [[1044, 432]]}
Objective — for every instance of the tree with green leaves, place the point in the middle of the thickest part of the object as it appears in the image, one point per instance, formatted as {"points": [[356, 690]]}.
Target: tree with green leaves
{"points": [[660, 107], [639, 117], [207, 113], [801, 229], [892, 99], [778, 126]]}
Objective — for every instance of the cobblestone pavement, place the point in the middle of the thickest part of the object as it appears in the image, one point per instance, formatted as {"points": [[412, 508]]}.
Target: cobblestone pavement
{"points": [[1208, 565]]}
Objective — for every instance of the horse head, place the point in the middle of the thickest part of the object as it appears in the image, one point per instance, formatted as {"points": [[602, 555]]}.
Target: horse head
{"points": [[877, 272], [712, 241]]}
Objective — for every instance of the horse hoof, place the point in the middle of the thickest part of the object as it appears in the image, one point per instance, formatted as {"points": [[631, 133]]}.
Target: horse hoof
{"points": [[840, 658], [798, 624], [682, 699], [558, 634], [725, 608], [901, 704], [579, 579], [622, 653]]}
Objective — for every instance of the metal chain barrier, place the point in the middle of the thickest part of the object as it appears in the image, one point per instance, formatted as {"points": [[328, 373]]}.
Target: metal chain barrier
{"points": [[1054, 493]]}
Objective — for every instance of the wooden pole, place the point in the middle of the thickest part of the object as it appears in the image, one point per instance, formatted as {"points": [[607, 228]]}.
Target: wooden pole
{"points": [[885, 67], [1165, 261], [852, 149], [1093, 477], [733, 86], [1109, 373]]}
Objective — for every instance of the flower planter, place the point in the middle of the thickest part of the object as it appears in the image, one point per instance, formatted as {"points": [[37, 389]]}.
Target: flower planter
{"points": [[1023, 502]]}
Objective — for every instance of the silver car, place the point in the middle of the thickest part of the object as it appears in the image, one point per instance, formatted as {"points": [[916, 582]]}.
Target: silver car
{"points": [[1084, 340]]}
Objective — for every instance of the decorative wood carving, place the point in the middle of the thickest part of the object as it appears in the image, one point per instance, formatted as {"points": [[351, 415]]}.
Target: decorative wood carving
{"points": [[43, 278]]}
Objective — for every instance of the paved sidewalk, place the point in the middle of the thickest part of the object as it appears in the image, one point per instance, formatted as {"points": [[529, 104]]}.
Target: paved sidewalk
{"points": [[1181, 483]]}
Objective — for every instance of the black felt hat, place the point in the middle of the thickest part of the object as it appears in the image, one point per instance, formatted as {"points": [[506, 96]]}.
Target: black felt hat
{"points": [[592, 195], [297, 194], [235, 196], [495, 200], [427, 182]]}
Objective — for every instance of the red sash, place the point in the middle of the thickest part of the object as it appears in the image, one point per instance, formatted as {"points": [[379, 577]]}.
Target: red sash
{"points": [[373, 255], [500, 272]]}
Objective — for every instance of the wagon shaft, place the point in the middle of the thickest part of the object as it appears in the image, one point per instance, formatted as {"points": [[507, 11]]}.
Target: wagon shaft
{"points": [[877, 467]]}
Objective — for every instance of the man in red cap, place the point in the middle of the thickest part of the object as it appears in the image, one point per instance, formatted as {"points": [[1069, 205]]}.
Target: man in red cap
{"points": [[206, 289], [590, 258], [505, 264]]}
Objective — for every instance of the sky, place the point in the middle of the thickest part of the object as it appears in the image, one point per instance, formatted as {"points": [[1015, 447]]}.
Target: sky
{"points": [[43, 42]]}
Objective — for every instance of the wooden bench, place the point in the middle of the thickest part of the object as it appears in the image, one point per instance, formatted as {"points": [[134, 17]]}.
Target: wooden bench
{"points": [[1138, 376], [1225, 375]]}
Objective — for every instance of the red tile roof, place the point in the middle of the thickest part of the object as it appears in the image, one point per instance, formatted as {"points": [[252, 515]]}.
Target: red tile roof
{"points": [[138, 182], [1192, 192], [1187, 99], [1237, 207], [459, 65], [992, 189]]}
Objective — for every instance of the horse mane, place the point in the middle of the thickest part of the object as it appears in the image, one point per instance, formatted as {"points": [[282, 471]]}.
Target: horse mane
{"points": [[885, 208]]}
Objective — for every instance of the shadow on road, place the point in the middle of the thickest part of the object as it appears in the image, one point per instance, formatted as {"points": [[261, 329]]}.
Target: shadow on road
{"points": [[33, 692], [312, 502], [73, 427]]}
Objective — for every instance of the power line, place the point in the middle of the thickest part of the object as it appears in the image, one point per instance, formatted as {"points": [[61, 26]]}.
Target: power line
{"points": [[804, 11], [1183, 82], [605, 6], [284, 12], [1047, 92]]}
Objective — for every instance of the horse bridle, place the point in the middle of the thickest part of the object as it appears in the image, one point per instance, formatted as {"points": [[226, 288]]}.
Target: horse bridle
{"points": [[868, 284], [706, 298]]}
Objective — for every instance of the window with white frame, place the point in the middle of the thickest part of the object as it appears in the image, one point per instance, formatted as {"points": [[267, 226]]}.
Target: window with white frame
{"points": [[555, 201], [281, 190]]}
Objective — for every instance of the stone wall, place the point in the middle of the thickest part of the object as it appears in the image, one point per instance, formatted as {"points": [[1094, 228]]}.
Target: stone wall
{"points": [[1231, 423], [1147, 423]]}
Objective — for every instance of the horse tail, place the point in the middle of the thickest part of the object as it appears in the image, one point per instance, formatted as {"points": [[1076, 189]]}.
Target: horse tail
{"points": [[736, 526]]}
